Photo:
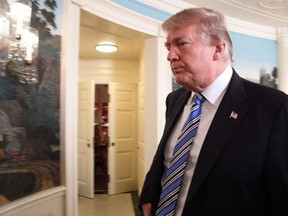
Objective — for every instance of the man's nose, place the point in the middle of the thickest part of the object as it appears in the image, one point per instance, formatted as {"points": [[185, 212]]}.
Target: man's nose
{"points": [[172, 55]]}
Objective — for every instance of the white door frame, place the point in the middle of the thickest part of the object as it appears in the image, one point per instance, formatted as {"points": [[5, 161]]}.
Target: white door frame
{"points": [[70, 65]]}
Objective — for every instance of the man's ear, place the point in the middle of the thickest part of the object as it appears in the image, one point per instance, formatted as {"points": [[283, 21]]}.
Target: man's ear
{"points": [[219, 51]]}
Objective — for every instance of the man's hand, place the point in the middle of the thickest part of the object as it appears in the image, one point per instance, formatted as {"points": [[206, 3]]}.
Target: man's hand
{"points": [[147, 209]]}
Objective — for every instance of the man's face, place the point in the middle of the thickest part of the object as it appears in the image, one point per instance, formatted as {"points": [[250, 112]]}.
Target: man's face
{"points": [[191, 59]]}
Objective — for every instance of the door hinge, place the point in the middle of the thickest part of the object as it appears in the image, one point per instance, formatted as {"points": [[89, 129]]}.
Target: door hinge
{"points": [[108, 178]]}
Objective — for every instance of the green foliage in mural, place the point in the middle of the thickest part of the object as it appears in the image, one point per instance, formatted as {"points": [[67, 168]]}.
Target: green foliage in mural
{"points": [[43, 16], [42, 113]]}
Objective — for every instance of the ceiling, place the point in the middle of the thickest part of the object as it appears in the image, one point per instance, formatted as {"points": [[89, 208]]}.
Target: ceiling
{"points": [[273, 13], [94, 30]]}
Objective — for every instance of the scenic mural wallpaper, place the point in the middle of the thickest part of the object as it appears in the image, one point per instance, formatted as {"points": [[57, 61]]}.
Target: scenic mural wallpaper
{"points": [[255, 58], [30, 112]]}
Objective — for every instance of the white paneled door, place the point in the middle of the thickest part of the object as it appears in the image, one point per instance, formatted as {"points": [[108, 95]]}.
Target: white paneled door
{"points": [[122, 151], [85, 139], [123, 138]]}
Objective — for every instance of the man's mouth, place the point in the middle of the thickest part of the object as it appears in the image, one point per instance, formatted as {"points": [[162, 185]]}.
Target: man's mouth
{"points": [[177, 69]]}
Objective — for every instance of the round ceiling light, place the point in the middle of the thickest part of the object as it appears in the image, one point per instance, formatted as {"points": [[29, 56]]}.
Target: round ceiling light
{"points": [[106, 48]]}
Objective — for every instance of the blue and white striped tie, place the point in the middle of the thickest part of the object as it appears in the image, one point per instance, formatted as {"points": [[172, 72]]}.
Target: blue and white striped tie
{"points": [[175, 172]]}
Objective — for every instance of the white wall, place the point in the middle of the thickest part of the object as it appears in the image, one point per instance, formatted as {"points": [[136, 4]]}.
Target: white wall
{"points": [[105, 70], [141, 117], [158, 84], [282, 39], [39, 204]]}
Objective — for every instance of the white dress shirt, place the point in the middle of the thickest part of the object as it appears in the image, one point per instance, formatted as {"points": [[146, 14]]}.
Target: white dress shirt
{"points": [[213, 94]]}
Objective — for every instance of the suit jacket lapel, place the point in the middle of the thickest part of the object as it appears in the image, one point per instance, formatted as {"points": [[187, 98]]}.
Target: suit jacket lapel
{"points": [[226, 120], [175, 112], [175, 107]]}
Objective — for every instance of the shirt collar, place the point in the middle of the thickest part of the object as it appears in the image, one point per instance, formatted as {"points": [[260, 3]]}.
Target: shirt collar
{"points": [[218, 87]]}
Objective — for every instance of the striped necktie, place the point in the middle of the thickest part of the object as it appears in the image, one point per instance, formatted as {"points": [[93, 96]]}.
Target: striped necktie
{"points": [[175, 172]]}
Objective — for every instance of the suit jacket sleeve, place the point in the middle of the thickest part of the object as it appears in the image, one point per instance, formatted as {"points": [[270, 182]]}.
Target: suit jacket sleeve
{"points": [[276, 172]]}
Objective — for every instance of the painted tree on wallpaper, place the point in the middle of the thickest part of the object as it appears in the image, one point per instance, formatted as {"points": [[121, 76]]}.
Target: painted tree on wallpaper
{"points": [[29, 114]]}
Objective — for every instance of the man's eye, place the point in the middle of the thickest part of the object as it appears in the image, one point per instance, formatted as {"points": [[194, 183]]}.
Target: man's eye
{"points": [[182, 43]]}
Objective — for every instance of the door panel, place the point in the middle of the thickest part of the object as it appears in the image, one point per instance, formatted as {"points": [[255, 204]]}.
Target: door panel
{"points": [[122, 152], [85, 139], [123, 138]]}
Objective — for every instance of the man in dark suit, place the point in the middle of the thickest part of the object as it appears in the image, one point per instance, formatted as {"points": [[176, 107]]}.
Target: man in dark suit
{"points": [[238, 162]]}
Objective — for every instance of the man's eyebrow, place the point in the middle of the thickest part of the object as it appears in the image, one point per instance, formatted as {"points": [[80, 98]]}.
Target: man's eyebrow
{"points": [[174, 40]]}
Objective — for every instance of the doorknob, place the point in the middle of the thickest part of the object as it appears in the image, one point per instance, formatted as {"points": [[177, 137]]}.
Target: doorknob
{"points": [[112, 144]]}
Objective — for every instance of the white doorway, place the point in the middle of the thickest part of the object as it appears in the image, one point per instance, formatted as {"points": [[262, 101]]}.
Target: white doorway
{"points": [[107, 137], [76, 64], [118, 71]]}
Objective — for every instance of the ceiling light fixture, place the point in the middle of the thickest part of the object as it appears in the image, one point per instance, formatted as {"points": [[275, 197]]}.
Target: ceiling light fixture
{"points": [[106, 48]]}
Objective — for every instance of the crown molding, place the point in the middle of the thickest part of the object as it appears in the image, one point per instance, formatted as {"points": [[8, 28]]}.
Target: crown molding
{"points": [[121, 15], [233, 24], [251, 29]]}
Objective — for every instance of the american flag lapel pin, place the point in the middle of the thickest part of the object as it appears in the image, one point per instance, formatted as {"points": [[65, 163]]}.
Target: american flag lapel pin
{"points": [[233, 115]]}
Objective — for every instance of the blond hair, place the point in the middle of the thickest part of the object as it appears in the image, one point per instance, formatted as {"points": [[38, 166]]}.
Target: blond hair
{"points": [[209, 23]]}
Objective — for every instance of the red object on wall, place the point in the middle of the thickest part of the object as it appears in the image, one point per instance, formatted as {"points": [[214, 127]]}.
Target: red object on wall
{"points": [[96, 106], [105, 112]]}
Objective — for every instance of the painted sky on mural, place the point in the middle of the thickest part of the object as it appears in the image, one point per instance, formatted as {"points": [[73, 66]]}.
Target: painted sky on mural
{"points": [[58, 13], [252, 54]]}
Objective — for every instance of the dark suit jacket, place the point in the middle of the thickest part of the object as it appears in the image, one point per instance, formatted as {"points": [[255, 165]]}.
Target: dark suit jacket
{"points": [[242, 168]]}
